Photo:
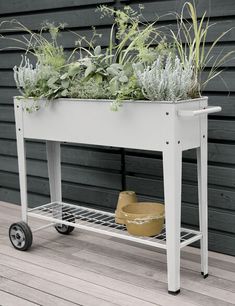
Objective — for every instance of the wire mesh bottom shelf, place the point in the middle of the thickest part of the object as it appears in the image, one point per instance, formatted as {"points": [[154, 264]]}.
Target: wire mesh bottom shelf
{"points": [[103, 222]]}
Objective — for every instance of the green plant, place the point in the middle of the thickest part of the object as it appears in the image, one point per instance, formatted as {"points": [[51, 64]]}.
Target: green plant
{"points": [[133, 37], [139, 62], [46, 79], [190, 42], [90, 89], [167, 79]]}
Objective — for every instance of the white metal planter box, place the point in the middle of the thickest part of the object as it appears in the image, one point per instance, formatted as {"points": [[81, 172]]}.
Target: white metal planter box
{"points": [[140, 124], [158, 126]]}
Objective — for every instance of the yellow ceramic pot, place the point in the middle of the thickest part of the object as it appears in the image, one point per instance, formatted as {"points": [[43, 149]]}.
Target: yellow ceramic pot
{"points": [[125, 198], [144, 218]]}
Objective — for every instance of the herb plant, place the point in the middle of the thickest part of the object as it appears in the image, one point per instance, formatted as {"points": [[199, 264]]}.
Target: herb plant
{"points": [[139, 64], [167, 79]]}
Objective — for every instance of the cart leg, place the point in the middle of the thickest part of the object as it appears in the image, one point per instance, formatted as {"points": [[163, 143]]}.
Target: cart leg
{"points": [[203, 210], [21, 150], [172, 166], [54, 172]]}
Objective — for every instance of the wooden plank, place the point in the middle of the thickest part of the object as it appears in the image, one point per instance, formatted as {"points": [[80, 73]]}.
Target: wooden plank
{"points": [[227, 102], [221, 129], [166, 9], [143, 265], [76, 193], [215, 257], [7, 114], [17, 7], [8, 147], [112, 297], [105, 158], [78, 155], [218, 51], [217, 28], [152, 189], [222, 243], [66, 39], [65, 293], [7, 131], [217, 152], [9, 299], [106, 285], [151, 8], [72, 18], [218, 219], [13, 57], [97, 285], [10, 59], [13, 196], [218, 196], [34, 23], [28, 293], [81, 175], [7, 79], [6, 94], [223, 82], [147, 279], [217, 175], [138, 267]]}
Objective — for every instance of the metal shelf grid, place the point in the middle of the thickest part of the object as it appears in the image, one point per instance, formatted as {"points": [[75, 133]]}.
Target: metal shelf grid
{"points": [[103, 222]]}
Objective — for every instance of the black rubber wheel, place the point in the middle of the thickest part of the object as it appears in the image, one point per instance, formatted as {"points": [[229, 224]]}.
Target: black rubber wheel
{"points": [[20, 236], [65, 229]]}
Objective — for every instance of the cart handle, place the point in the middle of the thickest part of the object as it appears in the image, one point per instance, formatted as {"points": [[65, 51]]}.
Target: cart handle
{"points": [[204, 111]]}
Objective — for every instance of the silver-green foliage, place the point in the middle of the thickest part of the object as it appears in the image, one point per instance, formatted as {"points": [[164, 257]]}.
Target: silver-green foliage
{"points": [[26, 77], [167, 79], [34, 82], [90, 90]]}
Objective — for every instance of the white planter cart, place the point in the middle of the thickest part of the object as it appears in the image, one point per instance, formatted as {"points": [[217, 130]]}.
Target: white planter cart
{"points": [[159, 126]]}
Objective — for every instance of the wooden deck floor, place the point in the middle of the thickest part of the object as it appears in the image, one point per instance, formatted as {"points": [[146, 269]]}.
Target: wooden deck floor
{"points": [[87, 269]]}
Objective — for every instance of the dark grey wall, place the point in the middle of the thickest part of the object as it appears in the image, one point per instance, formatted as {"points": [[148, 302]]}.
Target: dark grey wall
{"points": [[94, 175]]}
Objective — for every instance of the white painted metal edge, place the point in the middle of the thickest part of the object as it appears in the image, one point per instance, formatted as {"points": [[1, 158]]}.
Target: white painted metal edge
{"points": [[18, 98], [204, 111]]}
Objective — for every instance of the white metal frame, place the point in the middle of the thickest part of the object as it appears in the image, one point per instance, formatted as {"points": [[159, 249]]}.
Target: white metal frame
{"points": [[104, 223], [167, 127]]}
